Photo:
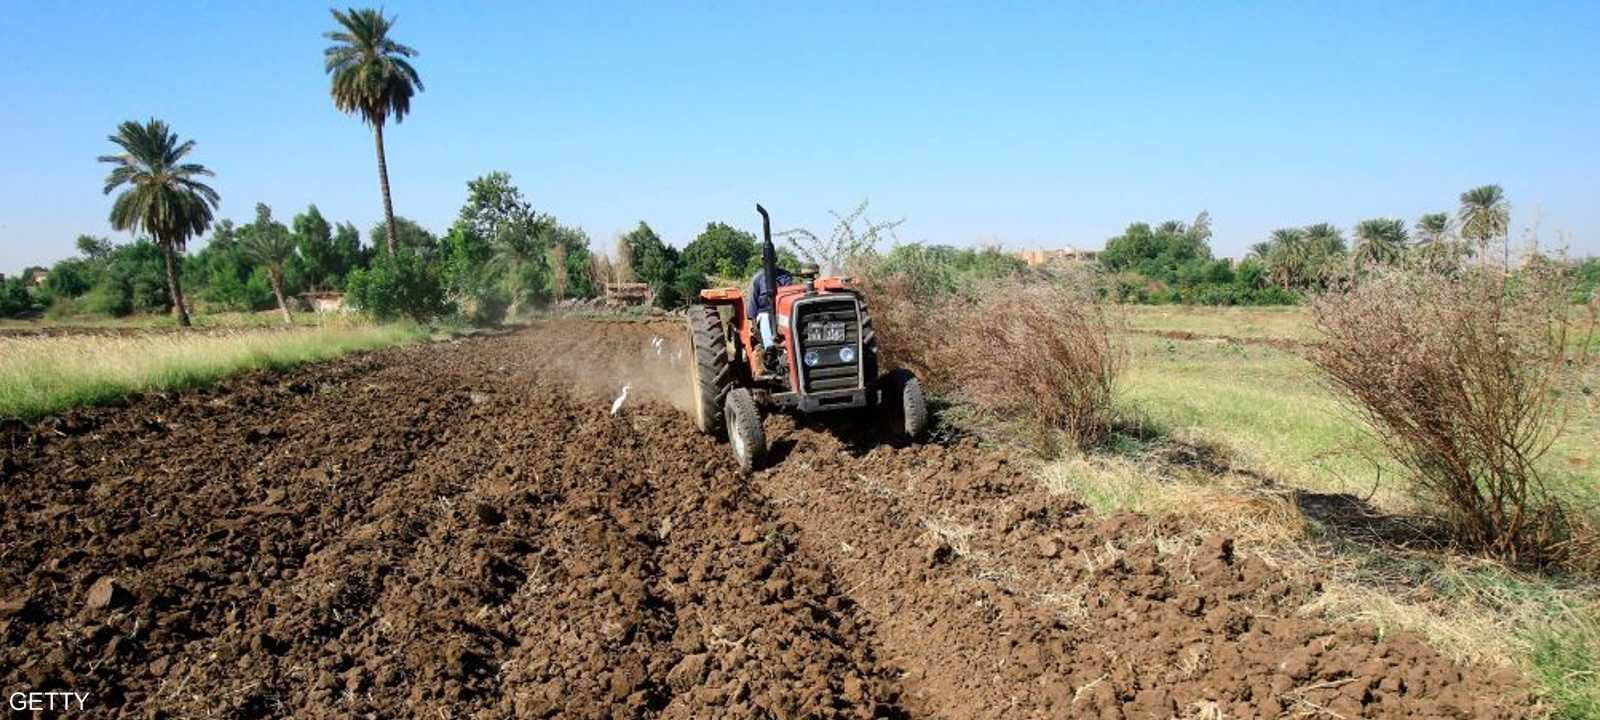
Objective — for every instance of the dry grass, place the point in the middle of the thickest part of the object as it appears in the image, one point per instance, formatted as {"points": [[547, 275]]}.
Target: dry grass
{"points": [[44, 375], [1466, 381], [1050, 355]]}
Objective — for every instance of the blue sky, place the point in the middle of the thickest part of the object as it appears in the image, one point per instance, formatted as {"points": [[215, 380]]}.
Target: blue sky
{"points": [[1031, 125]]}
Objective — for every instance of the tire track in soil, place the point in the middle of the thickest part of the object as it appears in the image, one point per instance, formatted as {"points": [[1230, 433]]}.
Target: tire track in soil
{"points": [[1000, 600]]}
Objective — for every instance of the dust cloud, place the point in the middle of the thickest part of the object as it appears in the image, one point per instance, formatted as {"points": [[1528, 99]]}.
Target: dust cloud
{"points": [[651, 359]]}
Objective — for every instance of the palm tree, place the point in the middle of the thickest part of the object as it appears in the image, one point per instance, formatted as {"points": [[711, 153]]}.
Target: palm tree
{"points": [[163, 197], [1485, 215], [372, 78], [1325, 252], [269, 244], [1380, 241], [1286, 257], [1435, 249], [1433, 228]]}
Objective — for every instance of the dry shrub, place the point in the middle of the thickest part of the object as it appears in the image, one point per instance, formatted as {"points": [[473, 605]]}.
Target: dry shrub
{"points": [[1465, 381], [1047, 354]]}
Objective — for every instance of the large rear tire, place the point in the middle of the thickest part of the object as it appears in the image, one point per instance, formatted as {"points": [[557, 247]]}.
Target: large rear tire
{"points": [[745, 433], [712, 372], [869, 343], [903, 405]]}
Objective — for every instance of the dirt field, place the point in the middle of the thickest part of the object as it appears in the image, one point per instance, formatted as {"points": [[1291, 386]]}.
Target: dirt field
{"points": [[465, 530]]}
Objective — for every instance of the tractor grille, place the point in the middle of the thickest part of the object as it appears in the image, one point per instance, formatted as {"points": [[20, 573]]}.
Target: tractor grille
{"points": [[812, 319]]}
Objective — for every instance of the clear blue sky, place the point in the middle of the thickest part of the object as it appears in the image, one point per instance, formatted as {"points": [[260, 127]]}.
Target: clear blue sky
{"points": [[1048, 125]]}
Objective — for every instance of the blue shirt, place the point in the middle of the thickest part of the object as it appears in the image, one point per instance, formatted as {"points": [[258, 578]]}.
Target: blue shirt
{"points": [[760, 299]]}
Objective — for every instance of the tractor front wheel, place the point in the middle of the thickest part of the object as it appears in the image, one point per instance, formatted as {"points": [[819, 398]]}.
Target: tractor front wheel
{"points": [[745, 433], [711, 374], [904, 408]]}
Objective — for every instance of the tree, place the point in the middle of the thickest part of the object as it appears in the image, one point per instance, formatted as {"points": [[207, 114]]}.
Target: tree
{"points": [[1301, 258], [1433, 228], [1436, 248], [573, 259], [373, 78], [494, 205], [131, 282], [395, 285], [1380, 241], [722, 250], [313, 237], [412, 236], [347, 247], [653, 262], [269, 243], [163, 197], [467, 277], [15, 300], [94, 248], [845, 244], [1159, 253], [1485, 216], [223, 235], [70, 278]]}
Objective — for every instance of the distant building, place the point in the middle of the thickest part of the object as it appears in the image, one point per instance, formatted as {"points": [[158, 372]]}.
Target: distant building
{"points": [[36, 278], [1036, 258]]}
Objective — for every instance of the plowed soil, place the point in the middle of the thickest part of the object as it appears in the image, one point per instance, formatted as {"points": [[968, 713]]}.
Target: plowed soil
{"points": [[467, 530]]}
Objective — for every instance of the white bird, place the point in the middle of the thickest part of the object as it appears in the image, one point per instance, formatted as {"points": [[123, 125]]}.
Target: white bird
{"points": [[657, 343], [617, 404]]}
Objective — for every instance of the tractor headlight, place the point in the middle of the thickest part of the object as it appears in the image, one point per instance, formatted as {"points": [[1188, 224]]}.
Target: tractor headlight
{"points": [[812, 358], [847, 354]]}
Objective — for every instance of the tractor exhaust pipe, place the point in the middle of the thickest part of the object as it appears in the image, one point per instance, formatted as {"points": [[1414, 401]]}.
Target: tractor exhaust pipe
{"points": [[769, 256]]}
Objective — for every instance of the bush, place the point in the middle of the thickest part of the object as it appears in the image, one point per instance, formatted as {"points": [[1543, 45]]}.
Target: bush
{"points": [[1464, 381], [15, 301], [1043, 353], [110, 297], [397, 285]]}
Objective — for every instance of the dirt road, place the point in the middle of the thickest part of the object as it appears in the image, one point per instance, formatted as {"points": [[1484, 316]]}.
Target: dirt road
{"points": [[466, 530]]}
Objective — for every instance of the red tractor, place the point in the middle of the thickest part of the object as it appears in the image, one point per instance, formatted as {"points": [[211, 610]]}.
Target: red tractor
{"points": [[797, 343]]}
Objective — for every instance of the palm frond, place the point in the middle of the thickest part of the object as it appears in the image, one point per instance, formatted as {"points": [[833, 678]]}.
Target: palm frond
{"points": [[370, 74], [159, 196]]}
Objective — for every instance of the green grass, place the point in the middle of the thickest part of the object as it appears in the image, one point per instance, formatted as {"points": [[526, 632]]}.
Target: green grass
{"points": [[1261, 405], [44, 375], [1563, 659], [1267, 408]]}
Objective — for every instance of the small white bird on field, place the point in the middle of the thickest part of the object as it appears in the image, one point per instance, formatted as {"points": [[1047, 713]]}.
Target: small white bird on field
{"points": [[657, 343], [616, 405]]}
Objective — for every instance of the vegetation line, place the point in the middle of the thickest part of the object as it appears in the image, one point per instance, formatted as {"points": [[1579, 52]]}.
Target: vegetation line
{"points": [[46, 375]]}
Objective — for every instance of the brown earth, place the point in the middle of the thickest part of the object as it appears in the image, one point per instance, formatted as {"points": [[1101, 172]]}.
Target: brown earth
{"points": [[1285, 344], [466, 530]]}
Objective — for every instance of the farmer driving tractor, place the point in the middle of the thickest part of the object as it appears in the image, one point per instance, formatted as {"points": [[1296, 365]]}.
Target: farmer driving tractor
{"points": [[759, 307]]}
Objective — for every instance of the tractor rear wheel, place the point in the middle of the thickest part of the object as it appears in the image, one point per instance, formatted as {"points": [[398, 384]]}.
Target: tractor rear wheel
{"points": [[745, 433], [904, 408], [711, 373], [869, 343]]}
